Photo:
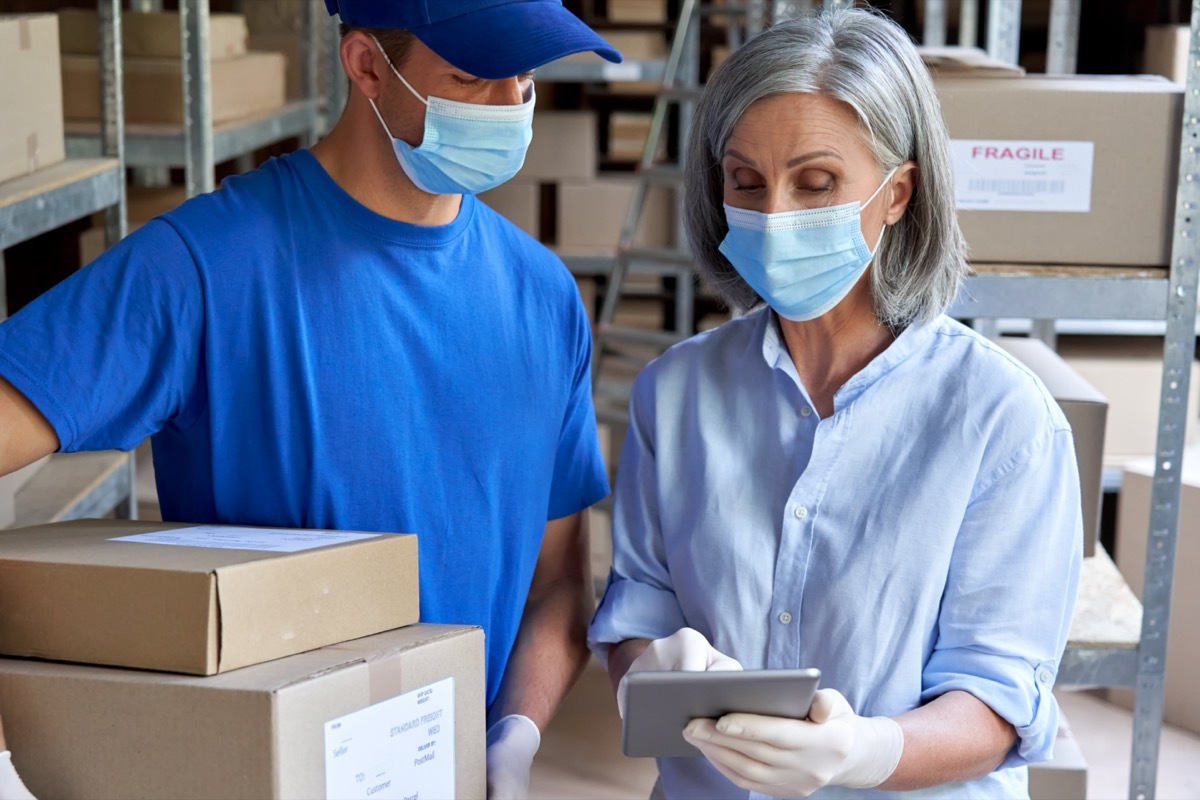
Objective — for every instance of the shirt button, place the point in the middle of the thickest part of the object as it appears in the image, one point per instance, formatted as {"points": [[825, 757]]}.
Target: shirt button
{"points": [[801, 512], [785, 617], [1044, 676], [806, 411]]}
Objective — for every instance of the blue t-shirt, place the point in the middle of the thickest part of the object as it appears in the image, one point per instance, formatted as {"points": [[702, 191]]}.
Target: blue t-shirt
{"points": [[301, 361]]}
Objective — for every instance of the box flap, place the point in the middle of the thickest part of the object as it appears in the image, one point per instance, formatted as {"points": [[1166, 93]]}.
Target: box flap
{"points": [[1064, 383], [966, 62]]}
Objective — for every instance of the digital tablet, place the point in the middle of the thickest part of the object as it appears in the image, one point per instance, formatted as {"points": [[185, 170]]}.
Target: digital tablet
{"points": [[659, 705]]}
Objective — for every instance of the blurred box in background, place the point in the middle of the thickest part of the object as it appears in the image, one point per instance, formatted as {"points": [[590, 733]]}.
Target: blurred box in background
{"points": [[1166, 51], [591, 213], [149, 34], [31, 138]]}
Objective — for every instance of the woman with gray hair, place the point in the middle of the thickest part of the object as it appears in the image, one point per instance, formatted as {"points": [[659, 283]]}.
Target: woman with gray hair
{"points": [[842, 478]]}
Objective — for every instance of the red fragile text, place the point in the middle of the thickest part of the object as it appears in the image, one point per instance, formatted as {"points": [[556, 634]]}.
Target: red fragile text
{"points": [[1019, 153]]}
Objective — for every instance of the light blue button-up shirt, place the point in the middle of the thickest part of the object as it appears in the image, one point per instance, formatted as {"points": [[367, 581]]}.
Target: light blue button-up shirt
{"points": [[924, 538]]}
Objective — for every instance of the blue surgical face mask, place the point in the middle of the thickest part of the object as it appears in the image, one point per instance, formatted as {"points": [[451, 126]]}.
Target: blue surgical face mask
{"points": [[803, 263], [467, 148]]}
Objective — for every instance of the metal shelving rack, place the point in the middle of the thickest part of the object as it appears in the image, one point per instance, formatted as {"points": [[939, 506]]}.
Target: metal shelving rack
{"points": [[198, 146], [84, 484], [1115, 640]]}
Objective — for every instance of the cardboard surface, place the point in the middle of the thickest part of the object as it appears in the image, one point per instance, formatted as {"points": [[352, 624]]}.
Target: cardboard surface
{"points": [[241, 87], [1182, 707], [1086, 410], [563, 146], [1167, 51], [1063, 777], [1133, 125], [68, 592], [149, 34], [591, 213], [519, 201], [91, 732], [1128, 371], [32, 137], [965, 61]]}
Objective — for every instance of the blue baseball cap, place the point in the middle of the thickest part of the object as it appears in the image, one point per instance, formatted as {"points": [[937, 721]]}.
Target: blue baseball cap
{"points": [[490, 39]]}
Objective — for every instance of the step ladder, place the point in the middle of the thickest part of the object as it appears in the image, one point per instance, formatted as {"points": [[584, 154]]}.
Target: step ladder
{"points": [[621, 351]]}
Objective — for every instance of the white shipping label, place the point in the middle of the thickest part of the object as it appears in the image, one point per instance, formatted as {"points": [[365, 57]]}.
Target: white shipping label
{"points": [[227, 538], [400, 749], [1017, 175]]}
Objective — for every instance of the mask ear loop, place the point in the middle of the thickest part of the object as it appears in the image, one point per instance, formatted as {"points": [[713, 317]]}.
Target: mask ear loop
{"points": [[879, 241], [386, 58]]}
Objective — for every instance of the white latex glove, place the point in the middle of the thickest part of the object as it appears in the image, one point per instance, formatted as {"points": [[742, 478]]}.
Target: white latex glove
{"points": [[11, 786], [685, 650], [511, 745], [794, 758]]}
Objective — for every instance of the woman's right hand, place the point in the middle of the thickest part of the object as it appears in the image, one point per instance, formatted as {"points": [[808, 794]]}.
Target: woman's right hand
{"points": [[685, 650], [11, 786]]}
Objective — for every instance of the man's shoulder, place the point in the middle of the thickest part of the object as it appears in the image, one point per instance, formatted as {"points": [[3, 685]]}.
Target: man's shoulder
{"points": [[253, 201]]}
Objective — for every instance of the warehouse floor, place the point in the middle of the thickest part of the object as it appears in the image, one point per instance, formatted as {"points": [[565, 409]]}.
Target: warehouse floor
{"points": [[580, 757]]}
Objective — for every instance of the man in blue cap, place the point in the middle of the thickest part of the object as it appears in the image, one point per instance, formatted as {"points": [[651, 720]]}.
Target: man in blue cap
{"points": [[346, 338]]}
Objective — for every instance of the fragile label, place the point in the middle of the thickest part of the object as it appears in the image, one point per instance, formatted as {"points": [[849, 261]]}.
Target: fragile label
{"points": [[399, 749], [229, 538], [1018, 175]]}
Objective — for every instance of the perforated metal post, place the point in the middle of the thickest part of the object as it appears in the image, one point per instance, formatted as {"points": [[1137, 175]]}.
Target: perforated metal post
{"points": [[197, 97], [1064, 37], [935, 23], [1004, 30], [968, 23], [310, 53], [1178, 355], [112, 110]]}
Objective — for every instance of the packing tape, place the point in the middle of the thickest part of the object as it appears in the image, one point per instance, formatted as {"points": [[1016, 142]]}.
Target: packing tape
{"points": [[24, 34], [31, 151]]}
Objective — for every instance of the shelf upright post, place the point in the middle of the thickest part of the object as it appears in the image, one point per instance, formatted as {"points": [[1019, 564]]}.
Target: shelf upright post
{"points": [[1004, 30], [310, 52], [1064, 37], [935, 24], [112, 111], [968, 23], [197, 97], [1179, 351], [336, 88]]}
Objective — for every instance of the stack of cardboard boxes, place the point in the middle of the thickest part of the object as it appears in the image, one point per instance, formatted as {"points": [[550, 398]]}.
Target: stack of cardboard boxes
{"points": [[148, 660], [29, 81], [245, 83]]}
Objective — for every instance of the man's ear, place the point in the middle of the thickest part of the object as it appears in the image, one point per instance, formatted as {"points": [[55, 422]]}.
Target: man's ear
{"points": [[361, 60]]}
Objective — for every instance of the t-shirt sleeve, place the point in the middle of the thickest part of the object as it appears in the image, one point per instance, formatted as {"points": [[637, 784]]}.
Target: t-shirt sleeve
{"points": [[1011, 591], [579, 475], [111, 355]]}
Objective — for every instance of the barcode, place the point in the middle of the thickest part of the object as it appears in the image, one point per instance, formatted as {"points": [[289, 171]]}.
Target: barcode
{"points": [[1019, 187]]}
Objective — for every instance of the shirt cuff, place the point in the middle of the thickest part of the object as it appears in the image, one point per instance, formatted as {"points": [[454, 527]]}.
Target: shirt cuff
{"points": [[1018, 691], [632, 610]]}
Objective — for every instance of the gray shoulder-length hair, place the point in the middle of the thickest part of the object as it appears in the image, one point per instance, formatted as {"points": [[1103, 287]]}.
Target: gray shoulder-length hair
{"points": [[867, 62]]}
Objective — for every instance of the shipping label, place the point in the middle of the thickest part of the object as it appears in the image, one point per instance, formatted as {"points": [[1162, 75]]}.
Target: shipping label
{"points": [[400, 749], [230, 538], [1019, 175]]}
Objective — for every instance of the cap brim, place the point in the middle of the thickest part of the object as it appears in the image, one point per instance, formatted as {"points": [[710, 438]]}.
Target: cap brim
{"points": [[513, 38]]}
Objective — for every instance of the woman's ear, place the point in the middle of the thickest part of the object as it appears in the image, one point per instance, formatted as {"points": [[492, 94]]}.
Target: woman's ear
{"points": [[902, 186], [361, 59]]}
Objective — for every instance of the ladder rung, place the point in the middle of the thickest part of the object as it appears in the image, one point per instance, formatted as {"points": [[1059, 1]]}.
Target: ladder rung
{"points": [[659, 255], [609, 413], [627, 335], [672, 175], [681, 93], [711, 10]]}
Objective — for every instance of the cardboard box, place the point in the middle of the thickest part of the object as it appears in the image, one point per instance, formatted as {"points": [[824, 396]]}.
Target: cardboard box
{"points": [[149, 34], [1167, 51], [183, 601], [1065, 169], [591, 213], [1182, 706], [287, 729], [563, 146], [1086, 410], [519, 201], [12, 483], [1063, 777], [241, 87], [653, 11], [627, 135], [956, 61], [32, 138], [1128, 371]]}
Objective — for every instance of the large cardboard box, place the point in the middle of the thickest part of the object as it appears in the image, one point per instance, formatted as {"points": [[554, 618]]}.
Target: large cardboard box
{"points": [[519, 201], [1167, 51], [196, 599], [244, 86], [399, 714], [1067, 169], [1086, 410], [1128, 371], [31, 101], [591, 213], [652, 11], [1063, 777], [563, 146], [1182, 706], [149, 34]]}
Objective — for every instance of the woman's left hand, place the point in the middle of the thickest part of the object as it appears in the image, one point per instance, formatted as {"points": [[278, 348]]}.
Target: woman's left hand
{"points": [[793, 758]]}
